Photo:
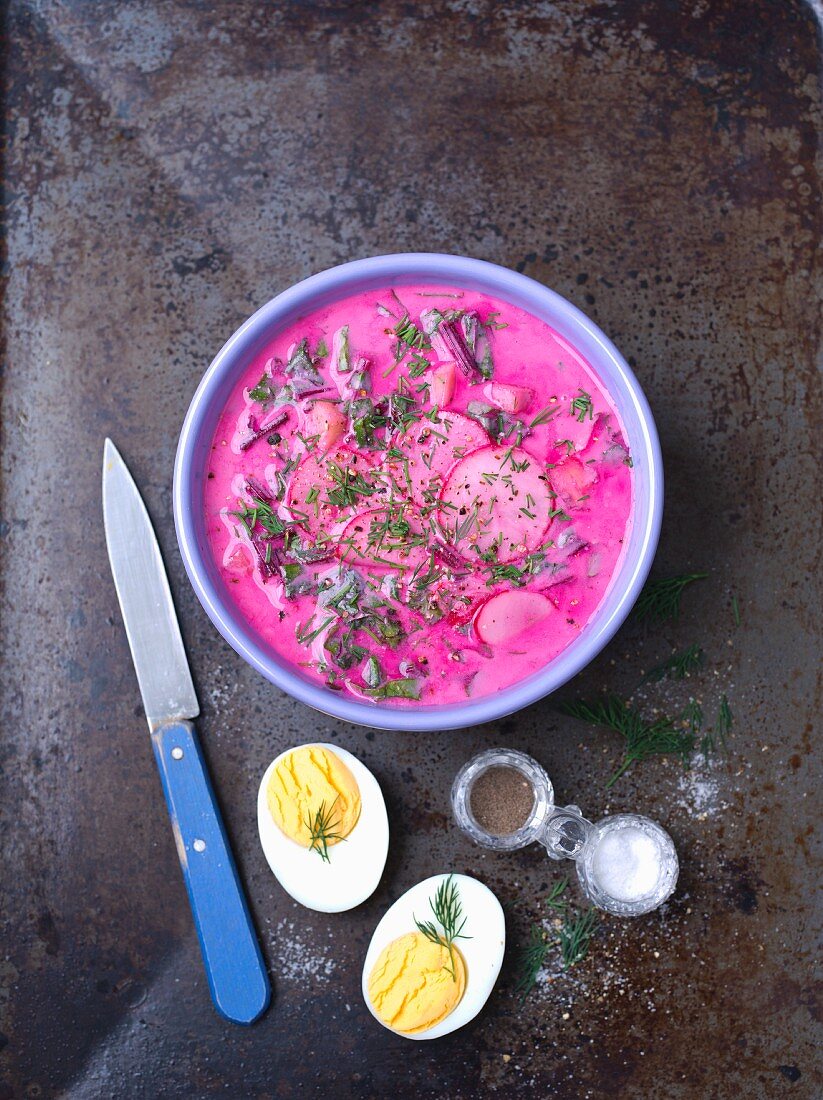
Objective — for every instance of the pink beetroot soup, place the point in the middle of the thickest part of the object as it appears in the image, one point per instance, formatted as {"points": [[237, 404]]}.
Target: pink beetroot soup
{"points": [[418, 495]]}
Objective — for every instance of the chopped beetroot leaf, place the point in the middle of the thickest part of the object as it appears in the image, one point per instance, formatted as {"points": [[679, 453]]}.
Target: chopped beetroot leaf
{"points": [[256, 489], [268, 557], [258, 432], [305, 388], [450, 343], [450, 557]]}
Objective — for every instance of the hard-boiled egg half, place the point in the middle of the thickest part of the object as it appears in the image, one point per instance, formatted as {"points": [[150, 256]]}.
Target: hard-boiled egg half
{"points": [[323, 826], [434, 957]]}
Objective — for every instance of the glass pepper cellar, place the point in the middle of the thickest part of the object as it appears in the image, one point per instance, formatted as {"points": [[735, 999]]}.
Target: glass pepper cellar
{"points": [[504, 800]]}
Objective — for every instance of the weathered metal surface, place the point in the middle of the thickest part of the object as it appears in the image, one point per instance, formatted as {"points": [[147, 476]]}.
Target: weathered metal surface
{"points": [[171, 166]]}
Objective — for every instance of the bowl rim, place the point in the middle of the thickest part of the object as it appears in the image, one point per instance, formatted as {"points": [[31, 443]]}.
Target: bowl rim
{"points": [[337, 281]]}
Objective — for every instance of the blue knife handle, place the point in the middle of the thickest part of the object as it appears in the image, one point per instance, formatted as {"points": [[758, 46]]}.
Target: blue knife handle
{"points": [[234, 965]]}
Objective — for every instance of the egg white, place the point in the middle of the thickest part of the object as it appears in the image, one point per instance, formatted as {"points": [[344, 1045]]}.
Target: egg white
{"points": [[482, 954], [355, 864]]}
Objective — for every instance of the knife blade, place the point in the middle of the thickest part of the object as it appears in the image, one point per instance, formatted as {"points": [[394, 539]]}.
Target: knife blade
{"points": [[231, 953]]}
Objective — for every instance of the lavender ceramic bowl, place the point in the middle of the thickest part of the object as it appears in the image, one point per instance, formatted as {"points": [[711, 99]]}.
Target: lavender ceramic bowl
{"points": [[352, 278]]}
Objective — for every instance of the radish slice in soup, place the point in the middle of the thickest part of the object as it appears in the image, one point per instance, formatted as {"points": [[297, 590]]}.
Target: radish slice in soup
{"points": [[311, 482], [433, 448], [509, 614], [572, 479], [508, 493], [382, 536]]}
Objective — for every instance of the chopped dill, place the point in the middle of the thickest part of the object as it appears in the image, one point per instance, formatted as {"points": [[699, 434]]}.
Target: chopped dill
{"points": [[693, 717], [409, 336], [582, 406], [735, 611], [711, 739], [418, 365], [506, 573], [349, 485], [463, 528], [545, 415], [307, 636]]}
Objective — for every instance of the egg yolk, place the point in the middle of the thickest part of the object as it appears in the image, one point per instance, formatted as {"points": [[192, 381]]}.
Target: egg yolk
{"points": [[305, 780], [411, 985]]}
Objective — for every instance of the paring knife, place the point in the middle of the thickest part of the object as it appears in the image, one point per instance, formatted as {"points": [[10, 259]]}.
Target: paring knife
{"points": [[231, 954]]}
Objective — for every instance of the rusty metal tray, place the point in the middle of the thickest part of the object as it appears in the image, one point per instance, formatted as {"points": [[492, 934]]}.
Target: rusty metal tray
{"points": [[170, 166]]}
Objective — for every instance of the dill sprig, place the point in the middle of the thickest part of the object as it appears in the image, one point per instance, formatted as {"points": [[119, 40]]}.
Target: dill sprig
{"points": [[531, 960], [555, 899], [642, 738], [576, 935], [573, 936], [724, 721], [693, 716], [679, 665], [448, 912], [321, 830], [660, 600], [714, 738]]}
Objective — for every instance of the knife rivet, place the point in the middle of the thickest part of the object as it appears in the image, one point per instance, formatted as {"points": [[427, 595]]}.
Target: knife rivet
{"points": [[177, 753], [199, 845]]}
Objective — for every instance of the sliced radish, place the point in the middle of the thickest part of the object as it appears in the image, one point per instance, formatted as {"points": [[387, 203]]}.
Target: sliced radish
{"points": [[578, 434], [236, 560], [373, 538], [432, 449], [510, 614], [508, 491], [313, 474], [325, 420], [510, 399], [441, 381], [571, 479]]}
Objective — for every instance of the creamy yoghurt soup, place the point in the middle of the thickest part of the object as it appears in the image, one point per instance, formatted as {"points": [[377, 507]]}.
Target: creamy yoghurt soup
{"points": [[418, 494]]}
